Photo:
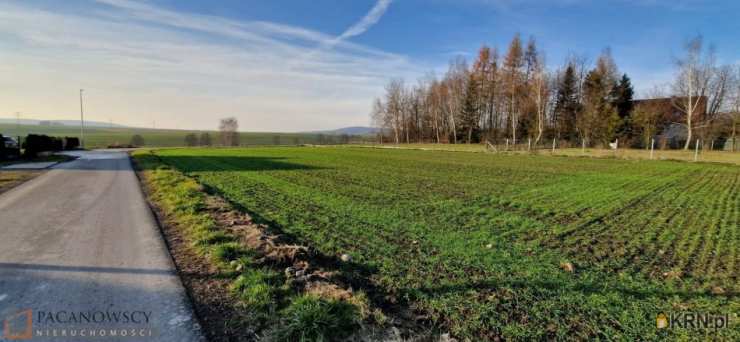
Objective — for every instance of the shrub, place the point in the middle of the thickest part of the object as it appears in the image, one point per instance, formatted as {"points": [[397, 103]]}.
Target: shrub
{"points": [[137, 140], [2, 147], [71, 143], [191, 140], [35, 143], [310, 318]]}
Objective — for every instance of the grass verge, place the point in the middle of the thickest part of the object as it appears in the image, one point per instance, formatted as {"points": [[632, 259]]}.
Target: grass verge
{"points": [[235, 279]]}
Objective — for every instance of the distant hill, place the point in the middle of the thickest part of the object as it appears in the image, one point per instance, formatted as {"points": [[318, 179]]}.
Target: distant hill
{"points": [[75, 123], [354, 130]]}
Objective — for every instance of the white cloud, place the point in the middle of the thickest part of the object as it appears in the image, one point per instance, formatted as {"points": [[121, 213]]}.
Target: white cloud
{"points": [[141, 63]]}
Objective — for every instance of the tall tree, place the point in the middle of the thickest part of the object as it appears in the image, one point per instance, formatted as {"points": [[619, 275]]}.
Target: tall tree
{"points": [[717, 94], [435, 102], [513, 63], [455, 80], [394, 103], [229, 128], [566, 105], [469, 115], [735, 110], [486, 70], [623, 102], [535, 91], [483, 69], [599, 118], [693, 77]]}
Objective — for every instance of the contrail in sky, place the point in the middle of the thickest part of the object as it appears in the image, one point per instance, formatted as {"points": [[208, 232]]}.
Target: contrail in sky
{"points": [[370, 19]]}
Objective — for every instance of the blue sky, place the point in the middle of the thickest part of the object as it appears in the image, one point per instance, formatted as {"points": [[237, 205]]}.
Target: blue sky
{"points": [[306, 65]]}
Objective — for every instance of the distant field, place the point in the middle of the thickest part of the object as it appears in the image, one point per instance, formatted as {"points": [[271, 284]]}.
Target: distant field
{"points": [[477, 244], [706, 156], [102, 137]]}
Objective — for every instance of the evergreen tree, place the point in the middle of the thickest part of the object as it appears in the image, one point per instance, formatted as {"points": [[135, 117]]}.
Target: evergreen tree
{"points": [[623, 95], [567, 106], [469, 114]]}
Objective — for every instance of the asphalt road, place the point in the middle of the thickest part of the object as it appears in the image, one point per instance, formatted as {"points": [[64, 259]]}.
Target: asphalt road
{"points": [[80, 249]]}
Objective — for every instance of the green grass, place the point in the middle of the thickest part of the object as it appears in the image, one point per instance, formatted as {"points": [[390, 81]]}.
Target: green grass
{"points": [[270, 304], [101, 137], [473, 243], [310, 318]]}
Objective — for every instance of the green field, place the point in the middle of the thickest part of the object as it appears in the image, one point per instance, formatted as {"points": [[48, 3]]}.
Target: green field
{"points": [[99, 137], [475, 244]]}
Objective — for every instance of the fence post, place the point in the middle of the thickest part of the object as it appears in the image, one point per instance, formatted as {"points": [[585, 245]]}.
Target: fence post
{"points": [[616, 147], [583, 146], [553, 145], [507, 145], [696, 150], [711, 146], [529, 144], [652, 147]]}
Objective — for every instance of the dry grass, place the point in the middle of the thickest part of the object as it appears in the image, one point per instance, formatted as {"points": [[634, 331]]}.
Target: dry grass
{"points": [[11, 179], [704, 156]]}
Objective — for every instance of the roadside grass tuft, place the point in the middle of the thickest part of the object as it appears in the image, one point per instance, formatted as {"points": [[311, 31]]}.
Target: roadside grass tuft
{"points": [[208, 238], [310, 318], [227, 252], [258, 288]]}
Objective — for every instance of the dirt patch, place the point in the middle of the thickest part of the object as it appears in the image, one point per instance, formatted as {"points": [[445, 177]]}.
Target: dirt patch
{"points": [[300, 262]]}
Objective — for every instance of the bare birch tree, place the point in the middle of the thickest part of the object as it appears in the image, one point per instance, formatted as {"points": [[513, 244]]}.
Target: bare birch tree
{"points": [[394, 107], [540, 94], [692, 83]]}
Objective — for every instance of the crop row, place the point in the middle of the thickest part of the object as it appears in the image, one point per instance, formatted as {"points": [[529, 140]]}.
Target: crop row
{"points": [[473, 242]]}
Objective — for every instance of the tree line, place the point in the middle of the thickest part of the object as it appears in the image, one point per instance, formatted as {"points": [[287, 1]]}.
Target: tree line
{"points": [[515, 98]]}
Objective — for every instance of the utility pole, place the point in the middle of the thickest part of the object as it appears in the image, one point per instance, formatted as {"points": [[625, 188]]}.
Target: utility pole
{"points": [[82, 123]]}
